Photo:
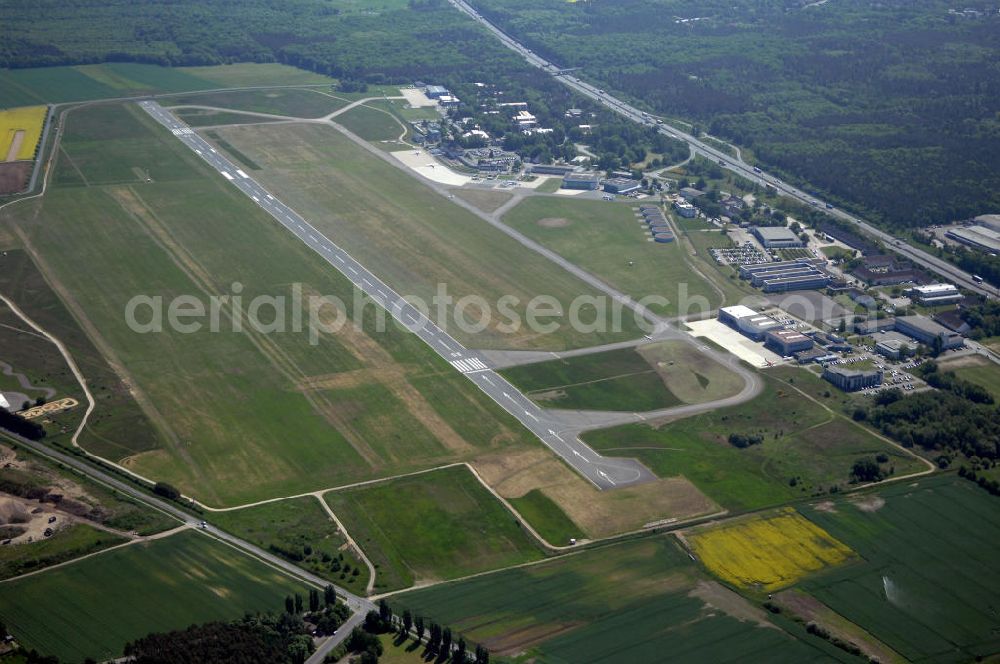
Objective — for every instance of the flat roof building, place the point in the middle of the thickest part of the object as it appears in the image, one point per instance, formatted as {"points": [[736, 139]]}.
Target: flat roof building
{"points": [[977, 237], [851, 380], [749, 322], [787, 342], [775, 237], [621, 186], [685, 209], [894, 348], [588, 181], [924, 330], [933, 294], [435, 91], [800, 274], [552, 169], [691, 193]]}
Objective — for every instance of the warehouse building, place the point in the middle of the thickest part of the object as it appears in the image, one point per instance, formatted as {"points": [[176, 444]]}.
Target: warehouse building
{"points": [[852, 380], [436, 91], [588, 181], [787, 342], [551, 169], [801, 274], [873, 325], [621, 186], [934, 294], [894, 348], [747, 321], [776, 237], [977, 237], [924, 330]]}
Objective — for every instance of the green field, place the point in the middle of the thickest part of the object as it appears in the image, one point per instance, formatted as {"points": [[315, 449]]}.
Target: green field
{"points": [[658, 375], [386, 218], [431, 527], [631, 602], [802, 440], [93, 607], [292, 102], [928, 584], [546, 518], [300, 531], [372, 123], [240, 416], [21, 87], [66, 544], [613, 380], [603, 237], [983, 373], [196, 117]]}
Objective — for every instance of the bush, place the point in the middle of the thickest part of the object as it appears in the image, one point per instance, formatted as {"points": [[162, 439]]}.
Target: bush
{"points": [[741, 440], [168, 491]]}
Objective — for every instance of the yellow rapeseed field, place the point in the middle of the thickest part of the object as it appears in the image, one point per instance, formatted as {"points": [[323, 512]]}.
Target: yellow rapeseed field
{"points": [[768, 552], [28, 119]]}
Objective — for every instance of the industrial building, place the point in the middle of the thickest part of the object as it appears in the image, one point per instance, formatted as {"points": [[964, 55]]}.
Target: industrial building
{"points": [[800, 274], [589, 181], [851, 380], [934, 294], [894, 348], [621, 186], [551, 169], [977, 237], [685, 209], [924, 330], [786, 342], [436, 91], [872, 325], [690, 193], [747, 321], [776, 237]]}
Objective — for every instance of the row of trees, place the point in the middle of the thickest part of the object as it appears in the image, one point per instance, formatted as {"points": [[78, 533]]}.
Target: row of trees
{"points": [[439, 642], [16, 424]]}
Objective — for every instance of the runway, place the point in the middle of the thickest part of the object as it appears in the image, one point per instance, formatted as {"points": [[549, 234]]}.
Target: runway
{"points": [[603, 472]]}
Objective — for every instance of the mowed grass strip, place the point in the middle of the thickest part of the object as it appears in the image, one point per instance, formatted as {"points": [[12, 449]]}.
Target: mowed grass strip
{"points": [[927, 586], [24, 125], [769, 552], [92, 608], [419, 242], [603, 238], [431, 527], [638, 601]]}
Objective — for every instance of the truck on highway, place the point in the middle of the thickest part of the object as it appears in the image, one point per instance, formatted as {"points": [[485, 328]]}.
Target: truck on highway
{"points": [[756, 169], [977, 278]]}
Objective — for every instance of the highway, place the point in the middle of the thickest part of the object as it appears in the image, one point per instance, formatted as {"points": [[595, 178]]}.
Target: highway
{"points": [[603, 472], [730, 162]]}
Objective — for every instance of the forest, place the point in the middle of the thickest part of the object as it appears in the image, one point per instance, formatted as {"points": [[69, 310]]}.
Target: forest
{"points": [[891, 109], [381, 41]]}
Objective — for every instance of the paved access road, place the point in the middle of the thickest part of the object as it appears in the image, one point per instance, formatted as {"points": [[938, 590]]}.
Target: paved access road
{"points": [[735, 164], [605, 473]]}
